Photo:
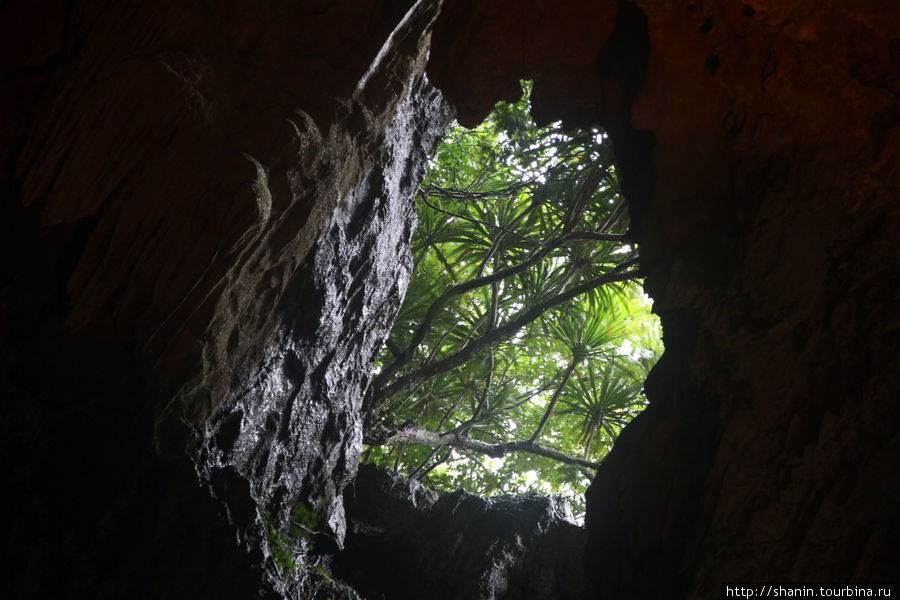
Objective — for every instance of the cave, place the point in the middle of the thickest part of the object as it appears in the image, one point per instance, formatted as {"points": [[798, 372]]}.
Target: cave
{"points": [[206, 219]]}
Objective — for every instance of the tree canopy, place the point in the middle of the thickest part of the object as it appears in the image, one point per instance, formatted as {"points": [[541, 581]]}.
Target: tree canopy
{"points": [[524, 339]]}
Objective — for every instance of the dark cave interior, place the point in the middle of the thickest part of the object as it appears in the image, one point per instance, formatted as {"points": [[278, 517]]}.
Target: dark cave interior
{"points": [[206, 219]]}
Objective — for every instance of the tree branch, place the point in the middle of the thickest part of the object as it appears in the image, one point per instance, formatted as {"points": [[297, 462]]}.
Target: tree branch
{"points": [[392, 346], [458, 194], [556, 394], [460, 288], [467, 218], [501, 333], [416, 436]]}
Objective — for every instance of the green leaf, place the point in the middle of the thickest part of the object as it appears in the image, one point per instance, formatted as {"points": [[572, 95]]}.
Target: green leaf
{"points": [[541, 205]]}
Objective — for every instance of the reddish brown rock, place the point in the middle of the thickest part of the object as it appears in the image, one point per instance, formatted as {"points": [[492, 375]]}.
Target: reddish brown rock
{"points": [[770, 448]]}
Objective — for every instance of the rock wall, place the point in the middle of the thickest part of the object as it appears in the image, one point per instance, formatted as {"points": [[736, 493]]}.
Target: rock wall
{"points": [[204, 218], [210, 210], [405, 542]]}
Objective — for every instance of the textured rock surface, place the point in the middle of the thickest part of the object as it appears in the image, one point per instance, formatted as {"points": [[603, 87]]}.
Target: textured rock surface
{"points": [[293, 426], [200, 205], [406, 543], [212, 210]]}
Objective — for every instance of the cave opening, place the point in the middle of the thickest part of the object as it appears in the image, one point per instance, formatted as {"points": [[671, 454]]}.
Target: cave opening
{"points": [[522, 346], [189, 314]]}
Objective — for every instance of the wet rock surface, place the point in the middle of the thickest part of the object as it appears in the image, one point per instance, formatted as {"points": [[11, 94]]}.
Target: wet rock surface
{"points": [[405, 542], [292, 429]]}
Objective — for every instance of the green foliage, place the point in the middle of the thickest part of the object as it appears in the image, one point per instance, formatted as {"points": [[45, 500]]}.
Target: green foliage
{"points": [[287, 547], [524, 327]]}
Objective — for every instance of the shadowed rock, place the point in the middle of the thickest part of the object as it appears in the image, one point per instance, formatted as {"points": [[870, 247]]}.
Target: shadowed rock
{"points": [[405, 542]]}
